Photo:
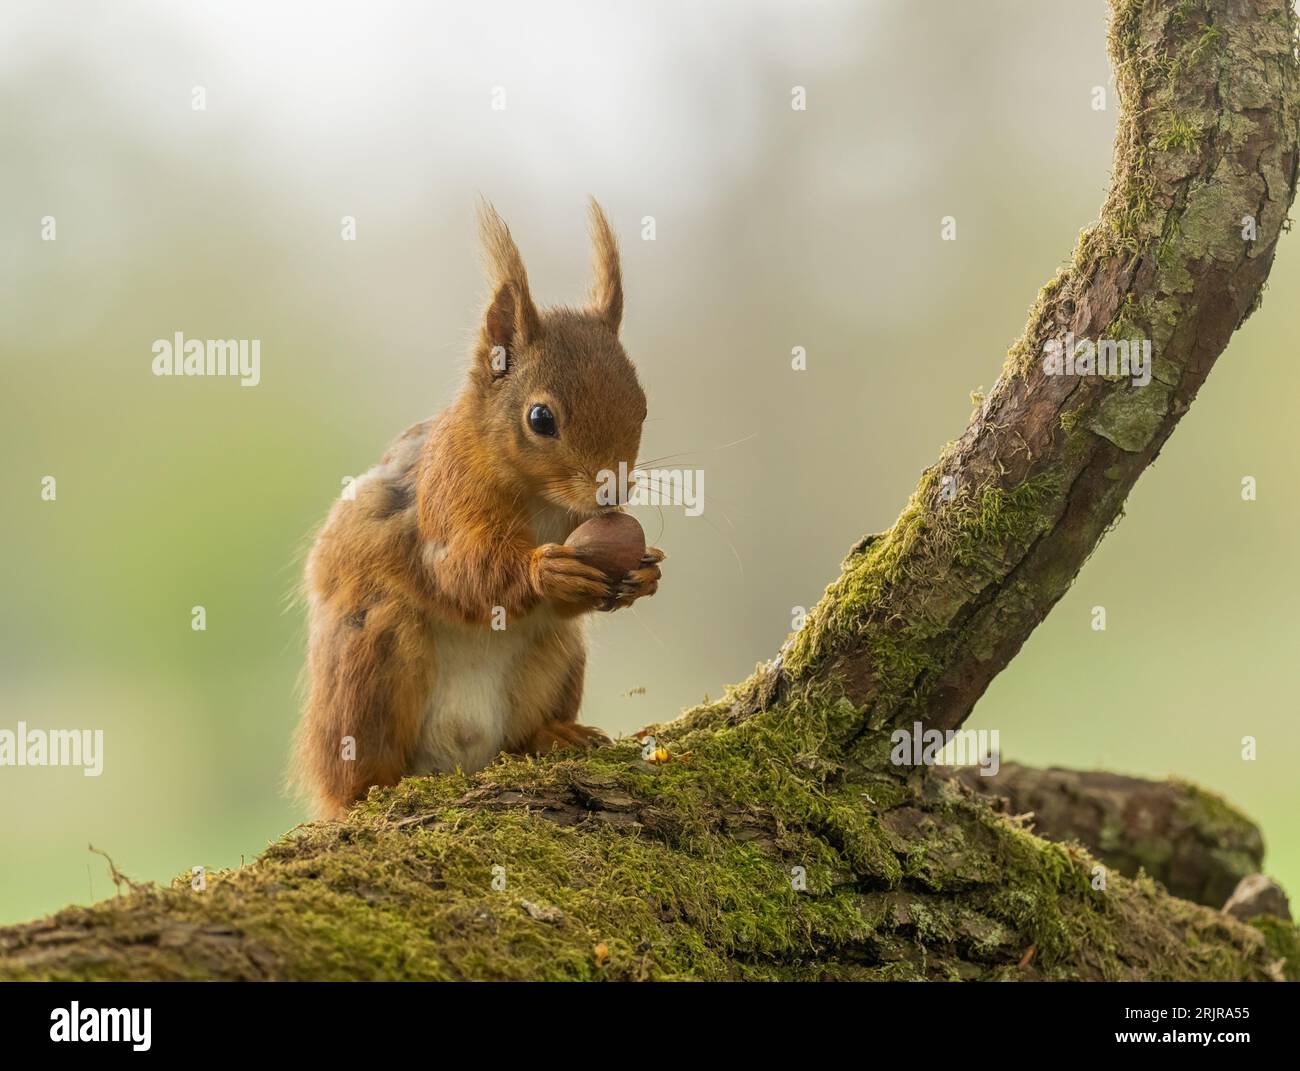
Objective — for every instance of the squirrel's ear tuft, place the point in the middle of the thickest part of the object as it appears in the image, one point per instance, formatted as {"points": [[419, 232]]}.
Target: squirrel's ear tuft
{"points": [[511, 319], [607, 284]]}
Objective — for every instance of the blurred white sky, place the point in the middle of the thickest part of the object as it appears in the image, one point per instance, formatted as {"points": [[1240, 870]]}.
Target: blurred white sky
{"points": [[614, 92]]}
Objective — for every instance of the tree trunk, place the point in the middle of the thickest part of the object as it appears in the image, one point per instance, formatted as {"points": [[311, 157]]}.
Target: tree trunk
{"points": [[777, 840]]}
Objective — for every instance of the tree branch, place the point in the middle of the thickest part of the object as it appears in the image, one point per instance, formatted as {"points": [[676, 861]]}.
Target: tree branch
{"points": [[1189, 840], [925, 615]]}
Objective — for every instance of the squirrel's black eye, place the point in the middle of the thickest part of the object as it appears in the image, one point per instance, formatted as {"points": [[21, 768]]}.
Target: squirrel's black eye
{"points": [[542, 420]]}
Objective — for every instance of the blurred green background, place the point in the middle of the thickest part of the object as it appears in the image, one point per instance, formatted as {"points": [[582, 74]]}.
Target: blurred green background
{"points": [[774, 228]]}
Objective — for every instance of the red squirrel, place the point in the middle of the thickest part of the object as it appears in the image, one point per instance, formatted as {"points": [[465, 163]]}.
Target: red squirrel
{"points": [[445, 613]]}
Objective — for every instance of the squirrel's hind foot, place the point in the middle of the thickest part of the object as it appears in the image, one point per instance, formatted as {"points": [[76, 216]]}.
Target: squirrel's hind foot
{"points": [[561, 735]]}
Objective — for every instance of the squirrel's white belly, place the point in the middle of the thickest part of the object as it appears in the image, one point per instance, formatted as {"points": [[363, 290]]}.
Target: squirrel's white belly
{"points": [[468, 712]]}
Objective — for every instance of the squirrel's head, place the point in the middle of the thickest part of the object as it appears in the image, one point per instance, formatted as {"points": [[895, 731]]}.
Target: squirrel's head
{"points": [[554, 389]]}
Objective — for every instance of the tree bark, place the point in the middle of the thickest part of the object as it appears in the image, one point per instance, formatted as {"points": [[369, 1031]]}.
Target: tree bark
{"points": [[1187, 839], [777, 840], [925, 615]]}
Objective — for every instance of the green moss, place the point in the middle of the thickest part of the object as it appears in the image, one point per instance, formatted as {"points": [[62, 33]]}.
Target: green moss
{"points": [[979, 887], [1282, 939], [971, 534], [1222, 821], [1208, 45], [1136, 217], [1177, 134], [1026, 349], [1227, 834], [675, 870]]}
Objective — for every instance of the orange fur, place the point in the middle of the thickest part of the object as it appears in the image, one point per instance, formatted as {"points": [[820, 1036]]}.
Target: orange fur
{"points": [[460, 527]]}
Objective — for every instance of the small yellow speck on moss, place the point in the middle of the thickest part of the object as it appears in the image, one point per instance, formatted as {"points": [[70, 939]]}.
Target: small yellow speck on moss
{"points": [[601, 952]]}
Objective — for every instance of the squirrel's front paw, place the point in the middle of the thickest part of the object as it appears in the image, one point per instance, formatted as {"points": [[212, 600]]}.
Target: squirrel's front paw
{"points": [[560, 576], [641, 582]]}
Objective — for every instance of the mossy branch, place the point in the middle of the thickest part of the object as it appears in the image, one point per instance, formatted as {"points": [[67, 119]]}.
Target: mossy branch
{"points": [[777, 841], [751, 859], [925, 615], [1191, 841]]}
